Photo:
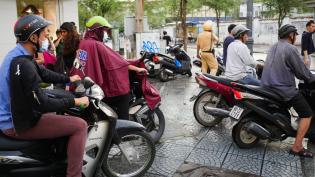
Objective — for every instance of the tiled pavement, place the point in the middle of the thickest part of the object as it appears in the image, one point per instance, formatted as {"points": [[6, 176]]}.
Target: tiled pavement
{"points": [[185, 140]]}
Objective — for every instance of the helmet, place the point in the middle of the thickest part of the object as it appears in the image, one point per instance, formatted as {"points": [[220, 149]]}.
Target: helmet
{"points": [[207, 26], [285, 30], [28, 25], [97, 22], [238, 30]]}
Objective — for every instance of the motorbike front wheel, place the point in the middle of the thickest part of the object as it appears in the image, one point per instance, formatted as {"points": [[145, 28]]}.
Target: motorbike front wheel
{"points": [[163, 76], [132, 157], [212, 99]]}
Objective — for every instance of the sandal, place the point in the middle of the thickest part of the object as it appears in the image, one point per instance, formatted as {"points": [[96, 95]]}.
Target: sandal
{"points": [[302, 153]]}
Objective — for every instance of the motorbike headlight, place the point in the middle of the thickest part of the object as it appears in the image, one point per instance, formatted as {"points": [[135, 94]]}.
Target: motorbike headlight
{"points": [[96, 92]]}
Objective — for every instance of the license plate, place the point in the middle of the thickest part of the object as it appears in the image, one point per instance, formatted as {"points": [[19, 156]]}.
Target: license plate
{"points": [[236, 112], [157, 66]]}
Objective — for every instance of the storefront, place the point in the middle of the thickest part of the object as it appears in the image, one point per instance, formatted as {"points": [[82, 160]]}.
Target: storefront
{"points": [[56, 11]]}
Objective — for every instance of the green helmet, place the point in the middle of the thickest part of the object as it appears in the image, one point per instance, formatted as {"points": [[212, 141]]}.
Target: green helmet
{"points": [[97, 22]]}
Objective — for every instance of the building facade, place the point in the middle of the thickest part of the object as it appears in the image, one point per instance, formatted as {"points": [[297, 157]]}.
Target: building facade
{"points": [[56, 11]]}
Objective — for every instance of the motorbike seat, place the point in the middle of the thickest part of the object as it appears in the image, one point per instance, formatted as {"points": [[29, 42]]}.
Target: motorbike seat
{"points": [[10, 144], [263, 92], [220, 79]]}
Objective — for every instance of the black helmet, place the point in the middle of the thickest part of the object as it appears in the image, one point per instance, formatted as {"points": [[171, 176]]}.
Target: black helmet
{"points": [[28, 25], [285, 30]]}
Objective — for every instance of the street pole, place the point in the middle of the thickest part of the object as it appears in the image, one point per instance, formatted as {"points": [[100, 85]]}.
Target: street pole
{"points": [[249, 24]]}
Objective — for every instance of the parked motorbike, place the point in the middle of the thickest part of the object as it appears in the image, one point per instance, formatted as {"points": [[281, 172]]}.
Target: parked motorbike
{"points": [[262, 114], [221, 67], [165, 67], [144, 103], [214, 99], [113, 148]]}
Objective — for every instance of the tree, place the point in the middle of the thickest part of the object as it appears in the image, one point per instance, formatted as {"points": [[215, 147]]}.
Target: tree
{"points": [[183, 13], [219, 6], [104, 8], [281, 8]]}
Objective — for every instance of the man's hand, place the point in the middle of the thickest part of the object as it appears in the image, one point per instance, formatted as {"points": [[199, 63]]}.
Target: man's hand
{"points": [[142, 70], [307, 62], [75, 78], [83, 102]]}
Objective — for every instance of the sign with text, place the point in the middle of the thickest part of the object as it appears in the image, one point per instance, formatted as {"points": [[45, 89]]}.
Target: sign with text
{"points": [[149, 42]]}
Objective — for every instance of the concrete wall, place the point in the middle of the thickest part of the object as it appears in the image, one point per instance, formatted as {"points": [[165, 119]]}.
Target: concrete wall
{"points": [[7, 20], [68, 12], [265, 31]]}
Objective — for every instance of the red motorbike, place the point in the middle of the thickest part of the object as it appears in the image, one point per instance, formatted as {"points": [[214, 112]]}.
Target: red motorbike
{"points": [[215, 99]]}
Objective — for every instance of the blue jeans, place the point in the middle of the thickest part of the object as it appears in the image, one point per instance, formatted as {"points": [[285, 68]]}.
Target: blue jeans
{"points": [[250, 80]]}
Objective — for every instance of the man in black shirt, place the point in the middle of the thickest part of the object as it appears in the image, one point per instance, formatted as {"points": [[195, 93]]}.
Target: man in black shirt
{"points": [[167, 38], [308, 50]]}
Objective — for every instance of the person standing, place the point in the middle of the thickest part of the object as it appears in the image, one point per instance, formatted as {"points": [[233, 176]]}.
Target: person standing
{"points": [[205, 43], [167, 38], [227, 42], [308, 50], [71, 40]]}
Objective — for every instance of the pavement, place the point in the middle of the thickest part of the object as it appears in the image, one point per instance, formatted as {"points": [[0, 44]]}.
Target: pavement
{"points": [[187, 142]]}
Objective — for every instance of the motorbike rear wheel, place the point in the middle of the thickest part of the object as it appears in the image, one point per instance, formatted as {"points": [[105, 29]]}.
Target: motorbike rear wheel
{"points": [[140, 149], [212, 99], [241, 137]]}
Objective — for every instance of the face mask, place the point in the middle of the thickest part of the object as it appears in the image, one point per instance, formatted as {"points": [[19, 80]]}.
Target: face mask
{"points": [[105, 37], [45, 44]]}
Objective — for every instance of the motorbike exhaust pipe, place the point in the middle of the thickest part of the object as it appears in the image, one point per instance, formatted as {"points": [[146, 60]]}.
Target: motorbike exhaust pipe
{"points": [[169, 71], [258, 130], [218, 112]]}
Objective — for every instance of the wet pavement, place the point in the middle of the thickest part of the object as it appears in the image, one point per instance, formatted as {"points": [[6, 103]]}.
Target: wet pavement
{"points": [[186, 141]]}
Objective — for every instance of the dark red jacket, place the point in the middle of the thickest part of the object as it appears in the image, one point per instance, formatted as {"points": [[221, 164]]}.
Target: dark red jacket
{"points": [[105, 66], [151, 94]]}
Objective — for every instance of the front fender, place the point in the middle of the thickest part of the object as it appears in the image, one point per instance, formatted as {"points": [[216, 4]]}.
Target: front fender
{"points": [[125, 126]]}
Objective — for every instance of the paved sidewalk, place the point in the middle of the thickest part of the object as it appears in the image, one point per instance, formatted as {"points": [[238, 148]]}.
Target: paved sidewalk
{"points": [[185, 140]]}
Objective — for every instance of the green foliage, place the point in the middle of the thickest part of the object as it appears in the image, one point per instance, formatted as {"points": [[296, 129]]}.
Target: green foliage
{"points": [[281, 8], [105, 8]]}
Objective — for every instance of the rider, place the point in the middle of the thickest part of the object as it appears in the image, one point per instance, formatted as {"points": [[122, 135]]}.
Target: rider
{"points": [[283, 64], [24, 107], [239, 61], [105, 66]]}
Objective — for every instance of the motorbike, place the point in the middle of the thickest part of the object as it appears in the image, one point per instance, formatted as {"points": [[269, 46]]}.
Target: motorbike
{"points": [[213, 100], [262, 114], [216, 98], [114, 147], [145, 101], [221, 67], [164, 67]]}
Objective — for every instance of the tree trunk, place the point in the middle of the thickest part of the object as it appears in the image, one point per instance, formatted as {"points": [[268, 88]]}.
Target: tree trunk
{"points": [[183, 11], [217, 13]]}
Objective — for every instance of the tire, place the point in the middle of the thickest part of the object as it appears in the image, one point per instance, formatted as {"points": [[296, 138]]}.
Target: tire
{"points": [[199, 113], [241, 137], [163, 76], [112, 153], [189, 73], [157, 134]]}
